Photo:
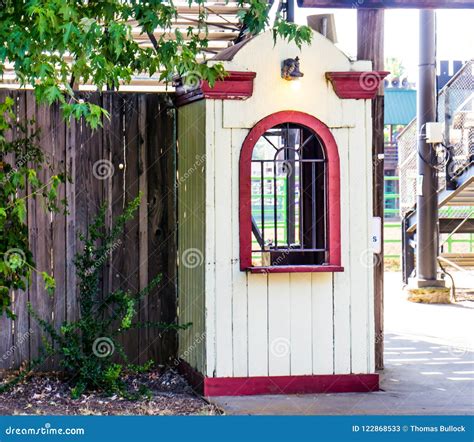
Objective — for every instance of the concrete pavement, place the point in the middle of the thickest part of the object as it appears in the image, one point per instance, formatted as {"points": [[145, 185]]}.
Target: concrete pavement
{"points": [[429, 367]]}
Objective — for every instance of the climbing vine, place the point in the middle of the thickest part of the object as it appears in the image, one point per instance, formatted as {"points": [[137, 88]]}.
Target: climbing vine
{"points": [[19, 182]]}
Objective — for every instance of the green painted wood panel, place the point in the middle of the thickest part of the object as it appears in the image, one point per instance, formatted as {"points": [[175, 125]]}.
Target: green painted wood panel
{"points": [[191, 232]]}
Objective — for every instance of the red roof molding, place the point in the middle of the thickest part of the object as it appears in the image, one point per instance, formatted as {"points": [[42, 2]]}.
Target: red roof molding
{"points": [[235, 86], [356, 85]]}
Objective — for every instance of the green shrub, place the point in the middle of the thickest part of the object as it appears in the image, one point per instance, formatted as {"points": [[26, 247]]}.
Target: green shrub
{"points": [[88, 347]]}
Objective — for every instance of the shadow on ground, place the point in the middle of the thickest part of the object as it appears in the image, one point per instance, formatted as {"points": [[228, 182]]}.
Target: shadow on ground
{"points": [[429, 367]]}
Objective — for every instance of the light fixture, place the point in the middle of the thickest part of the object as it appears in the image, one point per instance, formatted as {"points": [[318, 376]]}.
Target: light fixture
{"points": [[290, 69]]}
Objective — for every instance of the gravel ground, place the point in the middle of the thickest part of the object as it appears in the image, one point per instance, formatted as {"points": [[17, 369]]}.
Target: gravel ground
{"points": [[48, 394]]}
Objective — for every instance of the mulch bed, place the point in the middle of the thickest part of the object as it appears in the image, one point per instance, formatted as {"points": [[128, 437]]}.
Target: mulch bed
{"points": [[49, 394]]}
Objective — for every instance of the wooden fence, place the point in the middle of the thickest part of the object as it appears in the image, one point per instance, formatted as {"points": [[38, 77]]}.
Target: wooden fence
{"points": [[133, 152]]}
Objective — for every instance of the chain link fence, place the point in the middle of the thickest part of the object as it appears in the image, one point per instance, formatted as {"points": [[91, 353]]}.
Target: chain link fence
{"points": [[456, 112]]}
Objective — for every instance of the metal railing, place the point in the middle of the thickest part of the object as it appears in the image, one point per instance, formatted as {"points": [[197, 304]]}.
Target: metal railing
{"points": [[456, 111]]}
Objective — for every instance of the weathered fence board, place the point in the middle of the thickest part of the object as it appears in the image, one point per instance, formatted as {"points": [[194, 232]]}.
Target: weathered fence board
{"points": [[133, 152]]}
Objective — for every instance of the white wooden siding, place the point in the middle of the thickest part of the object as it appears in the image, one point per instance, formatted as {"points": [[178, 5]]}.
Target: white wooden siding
{"points": [[285, 324], [289, 324]]}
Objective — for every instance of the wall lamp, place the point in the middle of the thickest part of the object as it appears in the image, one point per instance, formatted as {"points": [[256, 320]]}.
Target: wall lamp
{"points": [[290, 69]]}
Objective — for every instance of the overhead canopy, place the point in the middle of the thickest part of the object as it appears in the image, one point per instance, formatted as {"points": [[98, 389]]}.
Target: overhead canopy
{"points": [[400, 106], [371, 4]]}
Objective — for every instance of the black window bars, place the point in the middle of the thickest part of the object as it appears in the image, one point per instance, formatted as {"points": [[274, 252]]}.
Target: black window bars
{"points": [[289, 198]]}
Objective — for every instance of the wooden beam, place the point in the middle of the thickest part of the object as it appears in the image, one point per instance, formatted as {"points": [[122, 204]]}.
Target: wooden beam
{"points": [[386, 4], [370, 41]]}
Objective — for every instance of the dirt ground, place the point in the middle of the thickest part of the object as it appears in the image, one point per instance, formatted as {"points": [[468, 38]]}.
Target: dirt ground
{"points": [[48, 394]]}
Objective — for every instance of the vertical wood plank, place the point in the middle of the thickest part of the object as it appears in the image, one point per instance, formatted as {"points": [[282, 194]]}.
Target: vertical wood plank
{"points": [[208, 217], [72, 146], [239, 278], [6, 325], [143, 227], [131, 262], [168, 250], [117, 157], [223, 243], [258, 324], [342, 280], [40, 234], [279, 339], [361, 256], [301, 325], [322, 311], [58, 258], [22, 331], [153, 348]]}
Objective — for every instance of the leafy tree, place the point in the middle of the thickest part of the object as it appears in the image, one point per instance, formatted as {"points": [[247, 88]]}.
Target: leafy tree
{"points": [[55, 45]]}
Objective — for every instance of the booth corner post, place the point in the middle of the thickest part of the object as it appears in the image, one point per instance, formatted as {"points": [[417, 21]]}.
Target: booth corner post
{"points": [[370, 42], [425, 286]]}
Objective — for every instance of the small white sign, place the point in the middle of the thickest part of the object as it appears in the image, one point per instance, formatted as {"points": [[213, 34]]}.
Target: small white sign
{"points": [[376, 238], [419, 185]]}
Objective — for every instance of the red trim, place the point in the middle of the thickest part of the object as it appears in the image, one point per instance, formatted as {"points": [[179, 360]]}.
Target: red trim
{"points": [[332, 383], [296, 269], [235, 86], [334, 192], [357, 85]]}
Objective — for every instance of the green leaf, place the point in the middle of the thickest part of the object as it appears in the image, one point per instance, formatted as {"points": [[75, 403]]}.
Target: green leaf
{"points": [[49, 282]]}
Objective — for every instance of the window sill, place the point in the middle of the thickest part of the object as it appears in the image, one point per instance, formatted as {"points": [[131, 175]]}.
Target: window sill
{"points": [[296, 269]]}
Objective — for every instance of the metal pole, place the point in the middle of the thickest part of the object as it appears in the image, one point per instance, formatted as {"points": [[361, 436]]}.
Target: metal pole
{"points": [[290, 11], [427, 200]]}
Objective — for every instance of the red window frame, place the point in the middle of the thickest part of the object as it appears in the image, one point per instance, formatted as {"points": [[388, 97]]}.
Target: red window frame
{"points": [[333, 191]]}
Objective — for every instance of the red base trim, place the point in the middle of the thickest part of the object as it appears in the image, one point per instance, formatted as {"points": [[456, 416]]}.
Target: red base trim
{"points": [[357, 85], [296, 269], [344, 383], [331, 383]]}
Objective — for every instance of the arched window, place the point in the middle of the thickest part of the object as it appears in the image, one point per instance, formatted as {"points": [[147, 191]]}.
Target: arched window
{"points": [[289, 196]]}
